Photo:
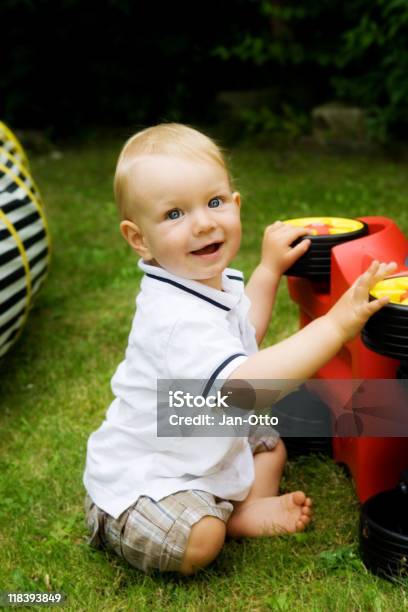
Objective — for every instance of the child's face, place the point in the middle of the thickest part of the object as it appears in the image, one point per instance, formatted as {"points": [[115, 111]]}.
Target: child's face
{"points": [[188, 221]]}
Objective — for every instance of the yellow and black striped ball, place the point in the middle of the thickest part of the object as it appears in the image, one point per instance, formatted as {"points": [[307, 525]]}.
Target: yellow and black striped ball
{"points": [[24, 239]]}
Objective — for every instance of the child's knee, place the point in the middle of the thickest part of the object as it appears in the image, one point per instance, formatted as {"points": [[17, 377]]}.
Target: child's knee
{"points": [[204, 544]]}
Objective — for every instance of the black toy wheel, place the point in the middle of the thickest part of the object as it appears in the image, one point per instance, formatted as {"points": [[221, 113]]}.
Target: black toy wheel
{"points": [[325, 233], [304, 423], [402, 372], [384, 533], [386, 332]]}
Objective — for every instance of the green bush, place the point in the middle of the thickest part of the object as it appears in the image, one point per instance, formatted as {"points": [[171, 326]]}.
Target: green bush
{"points": [[355, 51], [76, 64], [288, 124], [374, 57]]}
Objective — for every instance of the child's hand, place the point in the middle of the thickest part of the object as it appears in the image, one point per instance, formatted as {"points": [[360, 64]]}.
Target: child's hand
{"points": [[277, 254], [353, 309]]}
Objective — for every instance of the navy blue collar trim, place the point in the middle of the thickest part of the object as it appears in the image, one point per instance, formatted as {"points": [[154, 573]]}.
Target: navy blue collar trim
{"points": [[188, 290], [232, 277]]}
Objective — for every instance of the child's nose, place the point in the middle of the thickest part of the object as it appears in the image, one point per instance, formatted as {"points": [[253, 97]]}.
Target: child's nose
{"points": [[203, 222]]}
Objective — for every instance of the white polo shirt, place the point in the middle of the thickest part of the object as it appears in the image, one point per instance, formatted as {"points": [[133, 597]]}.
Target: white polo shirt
{"points": [[182, 330]]}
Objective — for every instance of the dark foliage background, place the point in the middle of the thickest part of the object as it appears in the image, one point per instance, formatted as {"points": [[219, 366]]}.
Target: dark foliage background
{"points": [[75, 63]]}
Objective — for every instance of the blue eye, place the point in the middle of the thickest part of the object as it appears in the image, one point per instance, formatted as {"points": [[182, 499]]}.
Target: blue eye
{"points": [[174, 214], [214, 203]]}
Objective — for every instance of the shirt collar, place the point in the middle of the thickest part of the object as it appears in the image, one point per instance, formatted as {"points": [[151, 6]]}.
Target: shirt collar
{"points": [[232, 282]]}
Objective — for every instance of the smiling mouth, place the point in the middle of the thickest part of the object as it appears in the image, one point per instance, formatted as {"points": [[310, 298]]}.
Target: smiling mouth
{"points": [[209, 249]]}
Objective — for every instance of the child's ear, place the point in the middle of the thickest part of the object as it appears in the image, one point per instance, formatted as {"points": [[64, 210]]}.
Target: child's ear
{"points": [[236, 196], [134, 236]]}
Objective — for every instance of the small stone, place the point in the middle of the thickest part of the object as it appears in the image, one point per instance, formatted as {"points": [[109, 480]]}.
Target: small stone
{"points": [[335, 123]]}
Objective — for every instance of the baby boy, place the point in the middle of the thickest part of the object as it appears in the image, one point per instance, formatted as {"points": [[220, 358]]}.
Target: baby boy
{"points": [[169, 503]]}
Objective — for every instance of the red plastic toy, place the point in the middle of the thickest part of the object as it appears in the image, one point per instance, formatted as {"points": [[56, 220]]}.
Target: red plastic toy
{"points": [[375, 463]]}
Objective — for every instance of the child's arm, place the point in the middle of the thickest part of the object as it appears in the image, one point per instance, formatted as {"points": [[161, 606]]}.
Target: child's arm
{"points": [[301, 355], [277, 256]]}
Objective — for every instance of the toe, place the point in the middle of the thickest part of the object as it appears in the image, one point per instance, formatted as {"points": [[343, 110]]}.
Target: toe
{"points": [[298, 498]]}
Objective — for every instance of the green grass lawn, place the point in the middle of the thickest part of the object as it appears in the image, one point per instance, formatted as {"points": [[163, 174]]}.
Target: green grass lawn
{"points": [[55, 390]]}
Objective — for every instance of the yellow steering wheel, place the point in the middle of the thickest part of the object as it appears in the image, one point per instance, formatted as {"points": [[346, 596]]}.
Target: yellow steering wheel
{"points": [[396, 288], [327, 226]]}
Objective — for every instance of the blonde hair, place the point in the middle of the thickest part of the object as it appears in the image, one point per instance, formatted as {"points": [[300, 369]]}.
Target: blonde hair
{"points": [[168, 139]]}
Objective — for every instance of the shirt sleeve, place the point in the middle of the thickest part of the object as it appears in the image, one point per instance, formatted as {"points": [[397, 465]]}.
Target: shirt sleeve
{"points": [[203, 349]]}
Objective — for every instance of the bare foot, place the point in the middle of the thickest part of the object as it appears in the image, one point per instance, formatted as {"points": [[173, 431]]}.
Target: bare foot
{"points": [[267, 516]]}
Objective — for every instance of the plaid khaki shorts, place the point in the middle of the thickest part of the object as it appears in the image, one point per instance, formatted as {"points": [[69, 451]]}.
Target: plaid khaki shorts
{"points": [[153, 534]]}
